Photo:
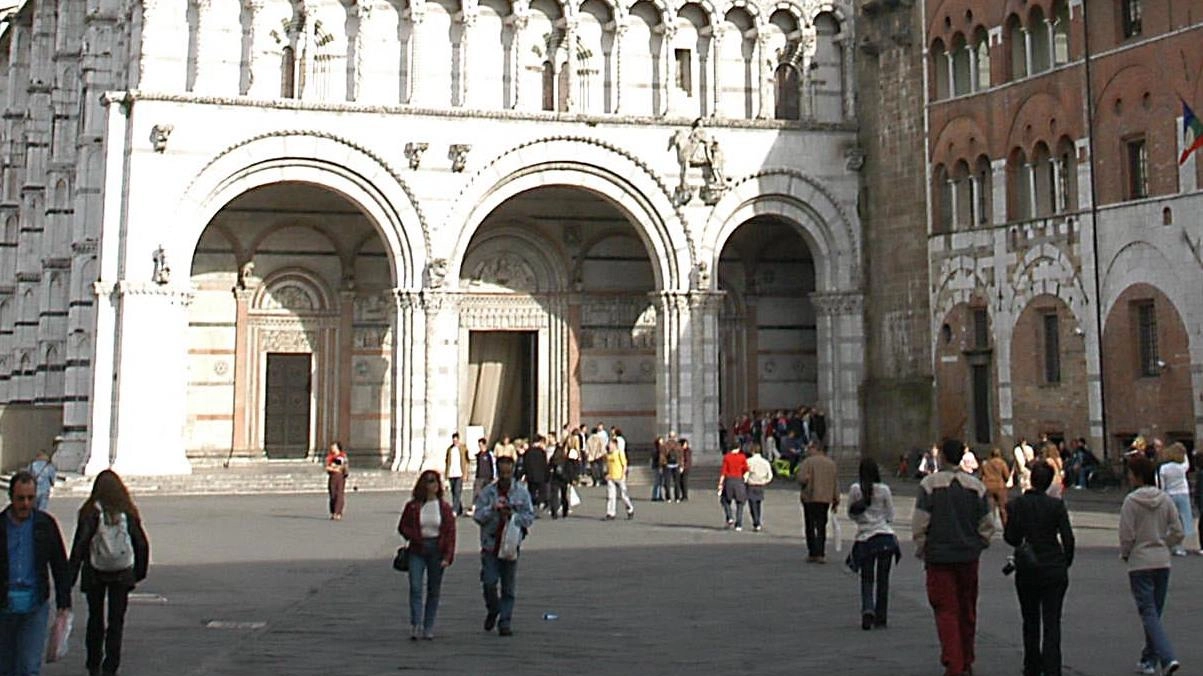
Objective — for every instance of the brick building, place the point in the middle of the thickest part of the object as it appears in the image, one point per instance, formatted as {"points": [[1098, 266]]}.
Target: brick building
{"points": [[1065, 241]]}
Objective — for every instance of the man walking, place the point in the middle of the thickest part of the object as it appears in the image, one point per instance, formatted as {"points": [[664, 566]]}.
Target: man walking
{"points": [[951, 525], [595, 454], [817, 477], [535, 469], [497, 504], [31, 552], [455, 466], [616, 481]]}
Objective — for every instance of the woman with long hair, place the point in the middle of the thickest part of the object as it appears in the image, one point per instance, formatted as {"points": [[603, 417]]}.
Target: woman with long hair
{"points": [[112, 553], [1171, 478], [1052, 458], [428, 525], [871, 506], [337, 466]]}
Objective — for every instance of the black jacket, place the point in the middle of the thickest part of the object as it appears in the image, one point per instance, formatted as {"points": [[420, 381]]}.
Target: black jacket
{"points": [[81, 555], [534, 461], [50, 558], [1038, 519]]}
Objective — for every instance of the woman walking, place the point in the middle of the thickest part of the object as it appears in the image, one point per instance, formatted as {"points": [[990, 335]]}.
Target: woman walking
{"points": [[1148, 529], [1037, 526], [871, 506], [760, 474], [1052, 458], [337, 466], [996, 476], [731, 487], [428, 525], [111, 553], [1171, 477]]}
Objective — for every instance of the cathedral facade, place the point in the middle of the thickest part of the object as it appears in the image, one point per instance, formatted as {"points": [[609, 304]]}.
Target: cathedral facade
{"points": [[247, 229]]}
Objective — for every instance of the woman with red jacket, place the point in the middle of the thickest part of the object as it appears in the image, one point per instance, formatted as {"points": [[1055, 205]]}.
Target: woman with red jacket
{"points": [[428, 525]]}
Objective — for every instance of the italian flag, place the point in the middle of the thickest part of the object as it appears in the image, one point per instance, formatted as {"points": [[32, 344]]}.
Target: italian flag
{"points": [[1192, 132]]}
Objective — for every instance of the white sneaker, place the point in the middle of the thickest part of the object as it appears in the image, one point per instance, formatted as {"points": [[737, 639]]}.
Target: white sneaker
{"points": [[739, 529], [1146, 668], [1171, 668]]}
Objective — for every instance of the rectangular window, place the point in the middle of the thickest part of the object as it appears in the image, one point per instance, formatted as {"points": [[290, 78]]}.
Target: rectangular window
{"points": [[1146, 321], [1132, 13], [684, 62], [981, 329], [1138, 168], [1052, 348]]}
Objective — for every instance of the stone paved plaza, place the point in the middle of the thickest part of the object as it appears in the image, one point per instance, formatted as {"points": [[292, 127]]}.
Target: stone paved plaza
{"points": [[668, 593]]}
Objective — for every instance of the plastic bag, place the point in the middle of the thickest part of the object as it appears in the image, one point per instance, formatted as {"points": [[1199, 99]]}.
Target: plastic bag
{"points": [[511, 537], [574, 498], [60, 633], [837, 533]]}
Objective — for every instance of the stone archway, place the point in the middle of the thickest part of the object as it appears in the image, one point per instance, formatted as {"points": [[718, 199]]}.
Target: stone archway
{"points": [[291, 330]]}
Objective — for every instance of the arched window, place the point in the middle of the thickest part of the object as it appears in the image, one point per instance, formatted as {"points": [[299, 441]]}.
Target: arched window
{"points": [[1060, 34], [942, 192], [981, 58], [549, 86], [788, 92], [1019, 193], [940, 70], [1044, 180], [1042, 41], [1066, 169], [1016, 38], [959, 53], [983, 198]]}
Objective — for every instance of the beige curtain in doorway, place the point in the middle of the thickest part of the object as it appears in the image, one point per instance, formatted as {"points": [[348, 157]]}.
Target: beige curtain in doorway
{"points": [[495, 372]]}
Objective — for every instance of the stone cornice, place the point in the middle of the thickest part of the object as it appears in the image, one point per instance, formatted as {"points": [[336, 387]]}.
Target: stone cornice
{"points": [[838, 303], [538, 116]]}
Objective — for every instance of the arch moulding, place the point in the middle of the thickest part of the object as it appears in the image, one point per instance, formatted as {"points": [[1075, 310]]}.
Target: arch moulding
{"points": [[595, 166], [355, 173], [804, 201]]}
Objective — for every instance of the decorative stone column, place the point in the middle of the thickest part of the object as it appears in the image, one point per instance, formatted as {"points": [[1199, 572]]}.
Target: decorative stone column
{"points": [[262, 67], [468, 19], [441, 373], [517, 20], [765, 77], [241, 441], [841, 347], [164, 57], [674, 347], [209, 39], [718, 37], [149, 402], [705, 307], [669, 30], [621, 26], [573, 65], [417, 90], [409, 377]]}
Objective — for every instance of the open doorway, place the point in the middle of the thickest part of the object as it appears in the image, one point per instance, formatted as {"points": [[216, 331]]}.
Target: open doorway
{"points": [[501, 383]]}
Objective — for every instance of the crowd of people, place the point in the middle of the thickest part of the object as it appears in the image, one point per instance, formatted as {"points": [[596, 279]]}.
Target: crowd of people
{"points": [[960, 504]]}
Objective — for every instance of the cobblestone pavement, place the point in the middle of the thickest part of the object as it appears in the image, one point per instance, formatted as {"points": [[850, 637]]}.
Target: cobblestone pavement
{"points": [[252, 585]]}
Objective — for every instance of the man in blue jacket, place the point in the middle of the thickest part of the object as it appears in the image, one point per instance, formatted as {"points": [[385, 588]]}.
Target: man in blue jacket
{"points": [[31, 551], [497, 504]]}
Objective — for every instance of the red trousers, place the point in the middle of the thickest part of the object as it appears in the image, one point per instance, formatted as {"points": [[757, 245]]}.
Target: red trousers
{"points": [[952, 592]]}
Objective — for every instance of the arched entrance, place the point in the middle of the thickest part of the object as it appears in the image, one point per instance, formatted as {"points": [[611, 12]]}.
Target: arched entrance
{"points": [[291, 329], [557, 325], [768, 353], [966, 405]]}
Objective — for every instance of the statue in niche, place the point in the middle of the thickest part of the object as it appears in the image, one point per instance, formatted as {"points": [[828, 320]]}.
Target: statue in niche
{"points": [[162, 272], [436, 273], [698, 148]]}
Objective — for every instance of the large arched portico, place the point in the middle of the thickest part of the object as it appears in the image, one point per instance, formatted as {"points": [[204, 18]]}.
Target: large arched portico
{"points": [[358, 177], [804, 207]]}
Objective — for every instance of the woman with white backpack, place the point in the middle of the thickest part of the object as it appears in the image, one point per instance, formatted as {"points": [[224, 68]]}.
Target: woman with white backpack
{"points": [[112, 552]]}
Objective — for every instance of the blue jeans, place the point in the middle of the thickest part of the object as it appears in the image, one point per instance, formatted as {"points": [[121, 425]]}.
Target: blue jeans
{"points": [[23, 641], [492, 571], [875, 587], [430, 563], [1182, 502], [1149, 588]]}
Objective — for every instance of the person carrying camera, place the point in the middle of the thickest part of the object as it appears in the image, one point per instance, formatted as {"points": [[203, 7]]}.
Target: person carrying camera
{"points": [[1038, 527]]}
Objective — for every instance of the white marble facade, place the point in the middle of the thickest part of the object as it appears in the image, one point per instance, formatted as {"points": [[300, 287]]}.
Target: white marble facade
{"points": [[192, 186]]}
